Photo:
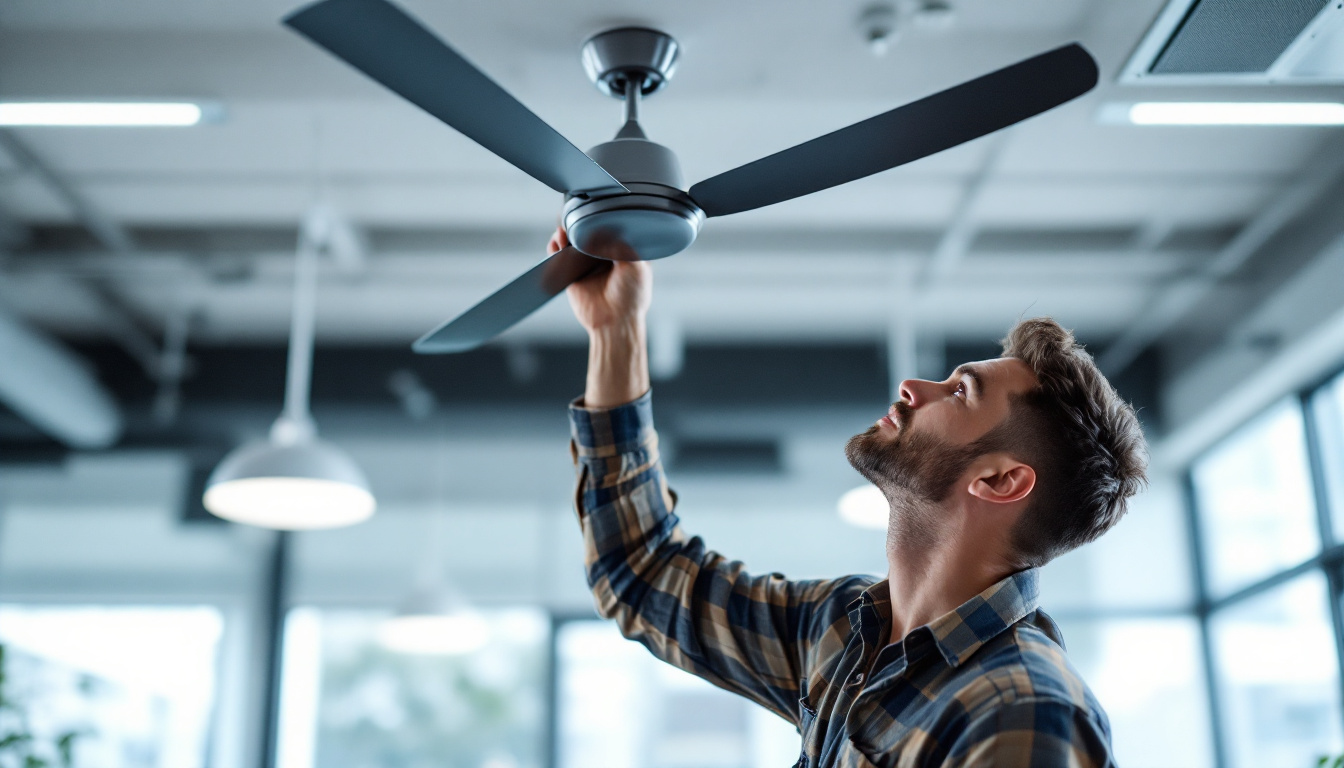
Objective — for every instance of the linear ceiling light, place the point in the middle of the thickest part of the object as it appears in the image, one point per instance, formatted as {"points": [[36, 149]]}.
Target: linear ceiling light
{"points": [[99, 113], [1236, 113]]}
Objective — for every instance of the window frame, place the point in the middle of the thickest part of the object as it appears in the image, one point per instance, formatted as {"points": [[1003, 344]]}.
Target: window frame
{"points": [[1328, 559]]}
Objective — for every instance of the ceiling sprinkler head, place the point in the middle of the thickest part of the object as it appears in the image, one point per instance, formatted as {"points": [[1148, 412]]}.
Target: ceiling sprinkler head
{"points": [[879, 27]]}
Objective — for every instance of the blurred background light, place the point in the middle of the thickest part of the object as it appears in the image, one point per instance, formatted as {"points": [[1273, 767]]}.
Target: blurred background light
{"points": [[864, 507]]}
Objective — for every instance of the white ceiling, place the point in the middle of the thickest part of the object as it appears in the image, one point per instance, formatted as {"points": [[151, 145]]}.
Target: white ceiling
{"points": [[755, 77]]}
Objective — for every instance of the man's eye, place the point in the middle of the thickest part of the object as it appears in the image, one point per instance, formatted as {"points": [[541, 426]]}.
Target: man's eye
{"points": [[961, 388]]}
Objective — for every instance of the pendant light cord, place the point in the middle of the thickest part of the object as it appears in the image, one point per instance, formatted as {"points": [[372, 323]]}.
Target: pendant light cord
{"points": [[298, 380]]}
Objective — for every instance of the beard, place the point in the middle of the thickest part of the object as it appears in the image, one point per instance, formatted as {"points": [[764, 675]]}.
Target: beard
{"points": [[915, 471]]}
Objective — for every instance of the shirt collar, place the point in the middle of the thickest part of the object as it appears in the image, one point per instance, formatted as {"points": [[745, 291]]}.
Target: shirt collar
{"points": [[960, 633]]}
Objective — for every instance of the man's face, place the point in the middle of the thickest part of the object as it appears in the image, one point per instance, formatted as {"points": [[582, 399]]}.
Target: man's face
{"points": [[922, 446]]}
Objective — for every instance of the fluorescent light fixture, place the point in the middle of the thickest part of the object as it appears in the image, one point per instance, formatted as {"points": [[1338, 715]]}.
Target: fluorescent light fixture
{"points": [[435, 634], [1235, 113], [864, 507], [99, 113]]}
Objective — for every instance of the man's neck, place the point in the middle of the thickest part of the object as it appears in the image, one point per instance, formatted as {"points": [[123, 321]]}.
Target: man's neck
{"points": [[926, 582]]}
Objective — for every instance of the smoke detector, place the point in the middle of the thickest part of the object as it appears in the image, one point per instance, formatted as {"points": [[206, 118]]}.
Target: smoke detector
{"points": [[880, 27], [881, 24]]}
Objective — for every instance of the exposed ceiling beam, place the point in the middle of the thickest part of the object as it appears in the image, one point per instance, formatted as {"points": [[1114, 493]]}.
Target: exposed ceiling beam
{"points": [[956, 240], [1171, 305], [109, 233], [119, 321]]}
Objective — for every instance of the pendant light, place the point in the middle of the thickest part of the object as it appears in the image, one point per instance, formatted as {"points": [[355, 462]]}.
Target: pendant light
{"points": [[435, 622], [293, 480], [435, 619]]}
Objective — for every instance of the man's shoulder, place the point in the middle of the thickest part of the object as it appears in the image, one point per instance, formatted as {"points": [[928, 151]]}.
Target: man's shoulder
{"points": [[1027, 665]]}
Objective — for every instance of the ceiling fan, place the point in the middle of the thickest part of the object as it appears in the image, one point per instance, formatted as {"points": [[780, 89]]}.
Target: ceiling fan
{"points": [[625, 199]]}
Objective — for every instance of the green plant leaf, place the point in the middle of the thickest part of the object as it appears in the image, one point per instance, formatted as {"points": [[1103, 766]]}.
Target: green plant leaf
{"points": [[65, 745], [14, 739]]}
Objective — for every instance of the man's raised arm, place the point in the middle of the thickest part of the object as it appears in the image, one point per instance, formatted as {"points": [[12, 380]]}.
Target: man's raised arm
{"points": [[690, 606]]}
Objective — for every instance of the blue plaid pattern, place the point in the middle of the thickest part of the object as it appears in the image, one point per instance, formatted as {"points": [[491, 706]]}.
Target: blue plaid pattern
{"points": [[987, 684]]}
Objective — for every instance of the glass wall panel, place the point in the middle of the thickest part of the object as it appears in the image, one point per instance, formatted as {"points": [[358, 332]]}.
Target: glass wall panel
{"points": [[619, 707], [135, 685], [142, 617], [1278, 676], [349, 701], [1149, 677], [1328, 405], [1254, 497]]}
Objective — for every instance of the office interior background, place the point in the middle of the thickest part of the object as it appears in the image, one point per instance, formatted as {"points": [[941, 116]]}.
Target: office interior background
{"points": [[146, 278]]}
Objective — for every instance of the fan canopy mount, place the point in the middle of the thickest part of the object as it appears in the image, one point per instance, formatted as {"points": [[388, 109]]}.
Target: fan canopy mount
{"points": [[653, 217], [616, 57]]}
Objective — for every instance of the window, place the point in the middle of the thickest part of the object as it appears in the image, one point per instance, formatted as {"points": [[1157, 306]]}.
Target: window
{"points": [[1147, 674], [1328, 406], [137, 684], [619, 707], [1267, 501], [1254, 498], [1278, 676], [348, 701]]}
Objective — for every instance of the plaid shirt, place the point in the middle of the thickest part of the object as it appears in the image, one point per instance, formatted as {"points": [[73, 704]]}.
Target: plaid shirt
{"points": [[985, 685]]}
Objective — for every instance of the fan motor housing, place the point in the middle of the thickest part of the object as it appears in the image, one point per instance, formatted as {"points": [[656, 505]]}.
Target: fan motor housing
{"points": [[655, 219]]}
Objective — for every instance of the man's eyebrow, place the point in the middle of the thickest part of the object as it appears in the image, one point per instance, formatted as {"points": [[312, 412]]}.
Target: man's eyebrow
{"points": [[972, 373]]}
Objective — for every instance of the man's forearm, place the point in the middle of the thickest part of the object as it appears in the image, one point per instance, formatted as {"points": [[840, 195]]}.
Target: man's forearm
{"points": [[618, 365]]}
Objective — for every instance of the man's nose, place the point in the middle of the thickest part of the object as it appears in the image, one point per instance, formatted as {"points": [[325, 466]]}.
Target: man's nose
{"points": [[916, 391]]}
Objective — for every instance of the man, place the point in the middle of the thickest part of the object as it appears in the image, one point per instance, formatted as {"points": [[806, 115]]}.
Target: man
{"points": [[989, 475]]}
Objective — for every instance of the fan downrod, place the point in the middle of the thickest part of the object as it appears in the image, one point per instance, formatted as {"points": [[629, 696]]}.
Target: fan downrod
{"points": [[616, 57]]}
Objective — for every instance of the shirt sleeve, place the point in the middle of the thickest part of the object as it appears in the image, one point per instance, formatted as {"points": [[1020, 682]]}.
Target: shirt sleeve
{"points": [[1033, 733], [690, 606]]}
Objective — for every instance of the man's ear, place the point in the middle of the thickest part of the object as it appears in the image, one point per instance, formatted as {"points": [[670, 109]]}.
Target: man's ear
{"points": [[1003, 480]]}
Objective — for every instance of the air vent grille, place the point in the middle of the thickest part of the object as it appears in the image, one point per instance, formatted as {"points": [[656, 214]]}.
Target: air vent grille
{"points": [[1235, 36]]}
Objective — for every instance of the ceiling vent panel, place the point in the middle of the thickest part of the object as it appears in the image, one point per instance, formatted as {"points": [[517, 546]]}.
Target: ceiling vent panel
{"points": [[1235, 35], [1241, 42]]}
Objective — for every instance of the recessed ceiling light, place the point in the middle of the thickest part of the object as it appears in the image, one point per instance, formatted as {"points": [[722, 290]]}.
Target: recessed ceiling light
{"points": [[1224, 113], [99, 113]]}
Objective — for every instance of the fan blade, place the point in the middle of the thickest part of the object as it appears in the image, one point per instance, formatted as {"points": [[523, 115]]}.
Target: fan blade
{"points": [[385, 43], [921, 128], [512, 303]]}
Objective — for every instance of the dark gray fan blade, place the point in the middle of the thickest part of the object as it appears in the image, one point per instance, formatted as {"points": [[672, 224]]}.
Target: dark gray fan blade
{"points": [[512, 303], [921, 128], [383, 42]]}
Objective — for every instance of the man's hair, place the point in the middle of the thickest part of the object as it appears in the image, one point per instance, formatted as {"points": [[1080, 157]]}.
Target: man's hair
{"points": [[1083, 440]]}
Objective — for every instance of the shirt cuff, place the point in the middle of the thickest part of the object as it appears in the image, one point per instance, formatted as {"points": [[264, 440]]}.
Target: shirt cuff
{"points": [[609, 431]]}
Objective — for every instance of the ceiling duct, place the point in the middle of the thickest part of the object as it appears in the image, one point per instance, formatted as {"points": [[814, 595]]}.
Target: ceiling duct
{"points": [[53, 389], [1242, 42]]}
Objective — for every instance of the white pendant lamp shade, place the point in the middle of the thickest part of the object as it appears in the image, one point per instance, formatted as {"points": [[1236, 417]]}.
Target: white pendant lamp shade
{"points": [[293, 481], [306, 485], [435, 634], [432, 623]]}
